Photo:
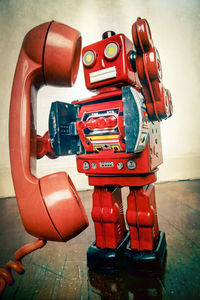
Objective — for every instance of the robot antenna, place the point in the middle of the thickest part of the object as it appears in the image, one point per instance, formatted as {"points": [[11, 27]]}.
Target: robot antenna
{"points": [[107, 34]]}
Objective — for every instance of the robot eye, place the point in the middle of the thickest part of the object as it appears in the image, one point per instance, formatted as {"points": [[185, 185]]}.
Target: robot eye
{"points": [[111, 51], [89, 58]]}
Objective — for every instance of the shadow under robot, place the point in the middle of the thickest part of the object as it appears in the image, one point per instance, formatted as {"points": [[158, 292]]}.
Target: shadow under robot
{"points": [[115, 135]]}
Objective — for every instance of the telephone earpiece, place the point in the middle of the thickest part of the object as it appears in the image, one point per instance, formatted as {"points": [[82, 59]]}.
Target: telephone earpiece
{"points": [[50, 206], [148, 64]]}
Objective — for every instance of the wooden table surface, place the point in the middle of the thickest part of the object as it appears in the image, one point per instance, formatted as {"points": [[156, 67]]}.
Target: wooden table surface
{"points": [[59, 270]]}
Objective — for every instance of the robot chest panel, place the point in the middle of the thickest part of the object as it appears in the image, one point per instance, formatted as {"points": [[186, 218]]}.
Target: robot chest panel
{"points": [[101, 126], [119, 123]]}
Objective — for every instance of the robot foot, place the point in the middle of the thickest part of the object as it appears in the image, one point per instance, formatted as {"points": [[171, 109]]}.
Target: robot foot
{"points": [[106, 259], [145, 261]]}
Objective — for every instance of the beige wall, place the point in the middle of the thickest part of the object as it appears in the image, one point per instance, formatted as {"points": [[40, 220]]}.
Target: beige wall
{"points": [[175, 26]]}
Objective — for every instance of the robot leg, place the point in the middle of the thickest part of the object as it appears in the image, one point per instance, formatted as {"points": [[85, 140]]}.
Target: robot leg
{"points": [[110, 229], [147, 246]]}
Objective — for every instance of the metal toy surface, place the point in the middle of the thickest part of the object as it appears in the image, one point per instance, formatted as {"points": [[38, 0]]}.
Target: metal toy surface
{"points": [[118, 143], [115, 135]]}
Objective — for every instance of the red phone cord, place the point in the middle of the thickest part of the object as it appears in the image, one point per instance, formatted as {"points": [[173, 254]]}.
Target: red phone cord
{"points": [[6, 275]]}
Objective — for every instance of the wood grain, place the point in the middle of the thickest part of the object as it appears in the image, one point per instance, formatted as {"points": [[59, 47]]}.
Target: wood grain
{"points": [[59, 270]]}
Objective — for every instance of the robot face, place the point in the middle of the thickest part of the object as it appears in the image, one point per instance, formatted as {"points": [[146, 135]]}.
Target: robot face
{"points": [[109, 62]]}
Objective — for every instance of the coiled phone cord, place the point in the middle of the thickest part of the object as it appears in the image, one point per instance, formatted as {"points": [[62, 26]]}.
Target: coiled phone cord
{"points": [[6, 274]]}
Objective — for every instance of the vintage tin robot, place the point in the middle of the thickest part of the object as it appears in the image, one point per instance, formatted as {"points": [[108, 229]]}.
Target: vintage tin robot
{"points": [[115, 135]]}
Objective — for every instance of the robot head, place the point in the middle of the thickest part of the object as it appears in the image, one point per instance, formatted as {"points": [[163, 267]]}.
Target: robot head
{"points": [[110, 61]]}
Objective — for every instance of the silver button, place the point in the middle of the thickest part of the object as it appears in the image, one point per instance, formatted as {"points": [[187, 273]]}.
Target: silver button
{"points": [[86, 165], [131, 164], [120, 165], [94, 165]]}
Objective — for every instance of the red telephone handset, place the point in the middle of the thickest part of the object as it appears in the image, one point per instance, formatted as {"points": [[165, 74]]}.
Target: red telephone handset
{"points": [[50, 206]]}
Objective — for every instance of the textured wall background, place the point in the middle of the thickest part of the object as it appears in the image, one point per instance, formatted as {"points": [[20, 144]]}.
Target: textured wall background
{"points": [[175, 26]]}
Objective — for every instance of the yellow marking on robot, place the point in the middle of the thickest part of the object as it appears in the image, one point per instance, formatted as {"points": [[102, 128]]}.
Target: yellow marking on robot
{"points": [[103, 137], [97, 148], [116, 148], [111, 50], [88, 57]]}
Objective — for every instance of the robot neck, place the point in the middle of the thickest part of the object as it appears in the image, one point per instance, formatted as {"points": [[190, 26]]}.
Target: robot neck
{"points": [[108, 89]]}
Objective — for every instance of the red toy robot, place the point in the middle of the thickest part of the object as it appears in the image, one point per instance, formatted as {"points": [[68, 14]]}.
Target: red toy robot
{"points": [[115, 135]]}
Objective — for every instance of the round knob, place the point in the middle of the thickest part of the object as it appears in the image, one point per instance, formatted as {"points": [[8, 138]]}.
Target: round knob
{"points": [[107, 34]]}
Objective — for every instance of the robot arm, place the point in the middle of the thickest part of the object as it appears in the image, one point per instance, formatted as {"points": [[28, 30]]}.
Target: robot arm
{"points": [[158, 99]]}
